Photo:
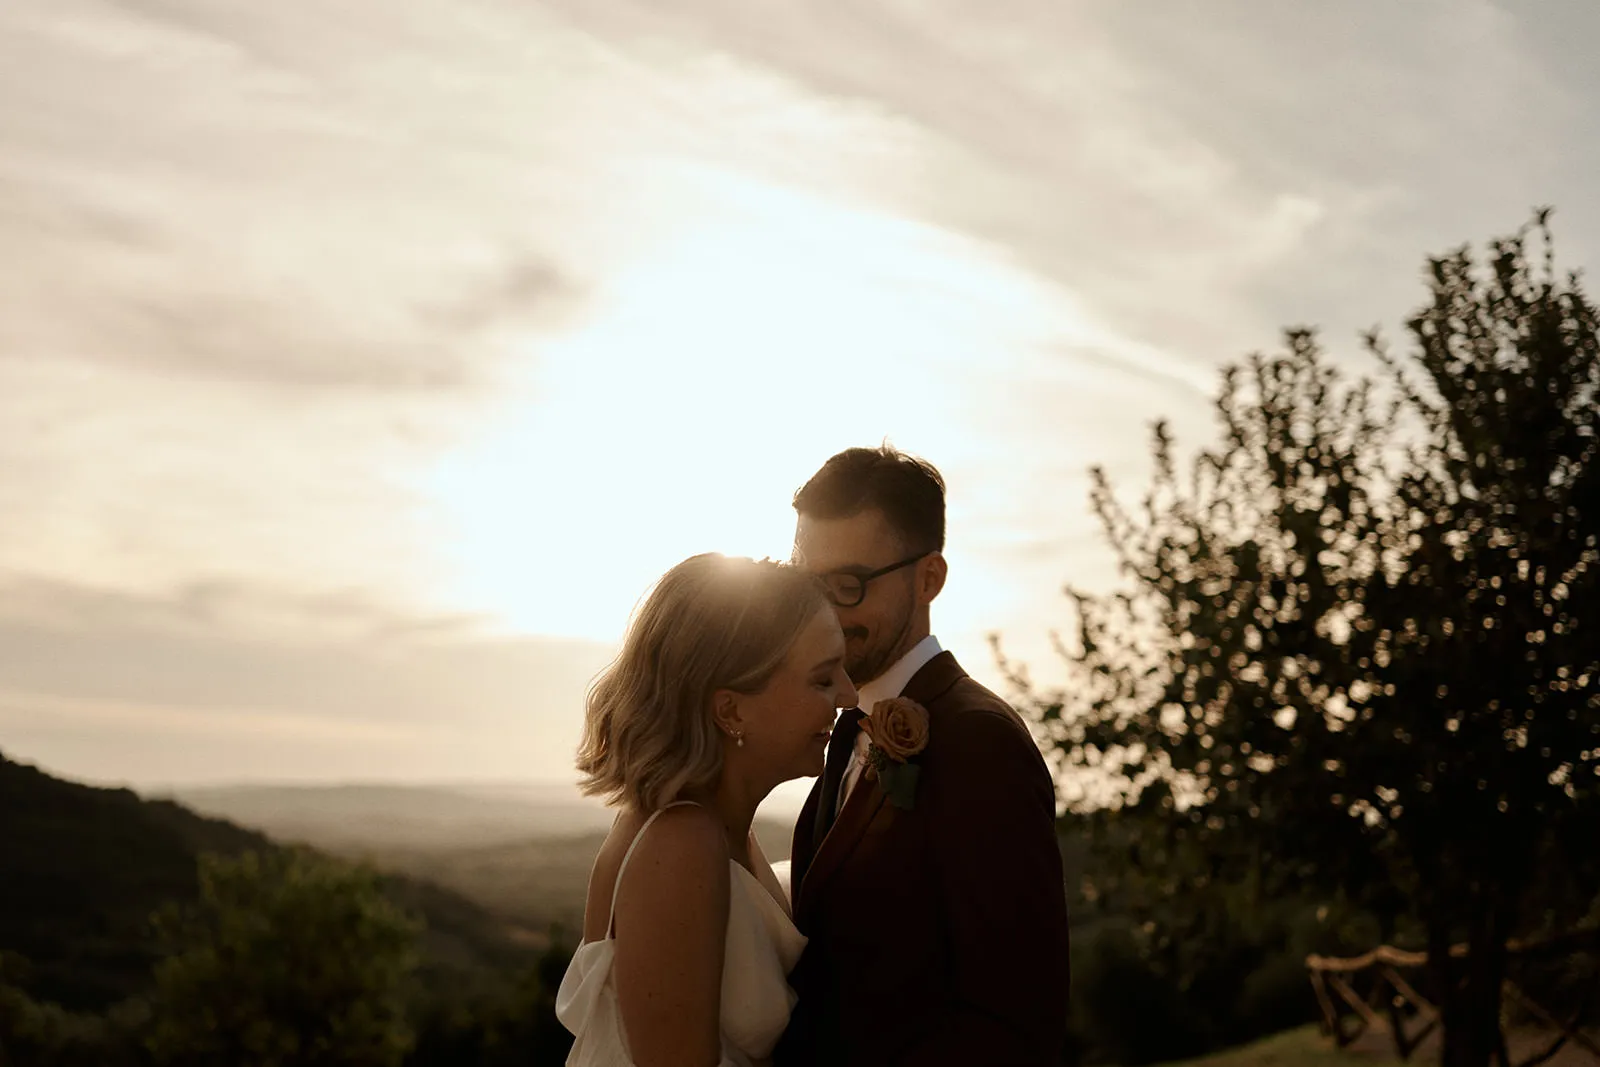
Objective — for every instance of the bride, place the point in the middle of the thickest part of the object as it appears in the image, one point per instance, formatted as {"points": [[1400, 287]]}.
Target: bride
{"points": [[727, 684]]}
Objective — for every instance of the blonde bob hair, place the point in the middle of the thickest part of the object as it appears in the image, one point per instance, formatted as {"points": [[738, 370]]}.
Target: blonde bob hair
{"points": [[712, 622]]}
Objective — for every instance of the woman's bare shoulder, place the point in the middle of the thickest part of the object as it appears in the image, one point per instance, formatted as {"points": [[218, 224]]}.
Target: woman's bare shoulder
{"points": [[678, 874], [683, 840]]}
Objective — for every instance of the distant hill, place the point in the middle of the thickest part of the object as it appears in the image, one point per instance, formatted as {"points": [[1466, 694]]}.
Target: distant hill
{"points": [[354, 817], [531, 883], [523, 852], [83, 868]]}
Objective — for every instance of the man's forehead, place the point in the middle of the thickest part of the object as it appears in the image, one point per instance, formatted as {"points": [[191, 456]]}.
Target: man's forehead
{"points": [[828, 544]]}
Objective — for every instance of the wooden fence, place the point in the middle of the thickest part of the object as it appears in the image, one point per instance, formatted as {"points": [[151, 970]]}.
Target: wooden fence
{"points": [[1371, 992]]}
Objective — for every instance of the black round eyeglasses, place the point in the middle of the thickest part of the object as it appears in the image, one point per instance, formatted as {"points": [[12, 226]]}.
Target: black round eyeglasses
{"points": [[847, 588]]}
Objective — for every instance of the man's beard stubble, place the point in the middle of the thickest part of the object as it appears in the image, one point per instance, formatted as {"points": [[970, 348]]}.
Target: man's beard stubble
{"points": [[871, 664]]}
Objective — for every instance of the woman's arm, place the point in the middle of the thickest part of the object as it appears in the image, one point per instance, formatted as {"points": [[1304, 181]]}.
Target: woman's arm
{"points": [[671, 930]]}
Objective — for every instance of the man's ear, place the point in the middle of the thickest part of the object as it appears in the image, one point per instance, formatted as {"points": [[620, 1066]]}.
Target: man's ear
{"points": [[726, 713], [931, 573]]}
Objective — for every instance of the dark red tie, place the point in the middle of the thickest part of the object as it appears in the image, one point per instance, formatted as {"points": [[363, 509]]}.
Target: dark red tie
{"points": [[840, 746]]}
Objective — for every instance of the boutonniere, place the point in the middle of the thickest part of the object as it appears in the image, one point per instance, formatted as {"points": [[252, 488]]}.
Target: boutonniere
{"points": [[897, 731]]}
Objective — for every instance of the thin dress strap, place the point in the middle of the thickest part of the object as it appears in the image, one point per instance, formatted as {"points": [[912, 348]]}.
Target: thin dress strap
{"points": [[616, 887]]}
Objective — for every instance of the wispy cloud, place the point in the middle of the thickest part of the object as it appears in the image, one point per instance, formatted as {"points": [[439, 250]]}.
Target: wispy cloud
{"points": [[1202, 174]]}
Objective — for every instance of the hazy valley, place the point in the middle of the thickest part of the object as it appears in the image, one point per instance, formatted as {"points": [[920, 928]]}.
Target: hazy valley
{"points": [[520, 851]]}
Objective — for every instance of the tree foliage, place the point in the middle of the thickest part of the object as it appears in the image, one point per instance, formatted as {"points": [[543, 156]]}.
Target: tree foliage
{"points": [[1360, 644], [288, 959], [43, 1034], [512, 1026]]}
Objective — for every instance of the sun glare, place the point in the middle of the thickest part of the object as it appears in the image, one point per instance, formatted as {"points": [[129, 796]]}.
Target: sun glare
{"points": [[712, 375]]}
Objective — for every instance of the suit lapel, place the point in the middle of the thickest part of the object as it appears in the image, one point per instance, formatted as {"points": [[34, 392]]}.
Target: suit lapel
{"points": [[803, 845], [934, 680], [818, 813], [859, 809], [831, 846]]}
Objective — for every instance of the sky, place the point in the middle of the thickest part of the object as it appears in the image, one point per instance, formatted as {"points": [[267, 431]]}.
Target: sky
{"points": [[363, 362]]}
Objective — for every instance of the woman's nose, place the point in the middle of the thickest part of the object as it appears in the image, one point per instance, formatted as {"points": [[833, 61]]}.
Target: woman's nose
{"points": [[848, 695]]}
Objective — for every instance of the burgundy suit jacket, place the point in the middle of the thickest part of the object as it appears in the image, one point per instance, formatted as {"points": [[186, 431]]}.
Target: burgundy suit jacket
{"points": [[936, 935]]}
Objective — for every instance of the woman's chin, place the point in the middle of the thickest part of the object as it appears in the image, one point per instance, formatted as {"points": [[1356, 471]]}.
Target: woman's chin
{"points": [[811, 766], [818, 762]]}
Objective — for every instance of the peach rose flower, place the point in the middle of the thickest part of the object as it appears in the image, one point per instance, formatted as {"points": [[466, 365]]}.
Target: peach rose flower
{"points": [[898, 727]]}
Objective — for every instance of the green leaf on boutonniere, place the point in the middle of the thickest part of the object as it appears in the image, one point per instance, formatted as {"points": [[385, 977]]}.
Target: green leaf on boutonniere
{"points": [[899, 782]]}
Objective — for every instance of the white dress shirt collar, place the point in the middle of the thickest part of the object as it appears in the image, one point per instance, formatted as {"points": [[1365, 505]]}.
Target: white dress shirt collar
{"points": [[892, 682]]}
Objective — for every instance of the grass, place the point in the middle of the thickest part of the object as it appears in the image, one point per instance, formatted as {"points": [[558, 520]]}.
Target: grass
{"points": [[1303, 1047]]}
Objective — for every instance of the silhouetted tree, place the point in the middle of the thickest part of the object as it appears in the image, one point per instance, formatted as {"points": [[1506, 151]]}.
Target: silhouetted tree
{"points": [[1360, 648], [288, 959]]}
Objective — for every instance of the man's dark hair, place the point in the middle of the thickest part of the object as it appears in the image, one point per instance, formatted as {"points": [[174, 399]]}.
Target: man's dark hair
{"points": [[909, 491]]}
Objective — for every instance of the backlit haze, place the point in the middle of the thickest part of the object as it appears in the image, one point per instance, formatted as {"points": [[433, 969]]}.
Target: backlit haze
{"points": [[362, 362]]}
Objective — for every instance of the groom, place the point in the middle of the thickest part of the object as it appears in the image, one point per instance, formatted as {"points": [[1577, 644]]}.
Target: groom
{"points": [[935, 907]]}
